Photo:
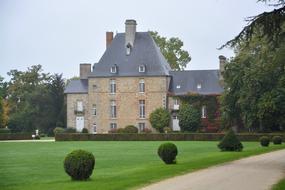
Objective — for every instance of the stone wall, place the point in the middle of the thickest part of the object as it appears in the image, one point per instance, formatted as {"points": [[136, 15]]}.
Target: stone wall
{"points": [[71, 107], [127, 100]]}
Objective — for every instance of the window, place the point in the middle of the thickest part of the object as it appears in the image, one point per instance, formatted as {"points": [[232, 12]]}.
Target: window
{"points": [[128, 49], [199, 86], [79, 106], [142, 68], [176, 101], [142, 108], [113, 125], [113, 69], [113, 109], [94, 128], [174, 117], [178, 86], [204, 112], [141, 127], [112, 86], [94, 111], [141, 86]]}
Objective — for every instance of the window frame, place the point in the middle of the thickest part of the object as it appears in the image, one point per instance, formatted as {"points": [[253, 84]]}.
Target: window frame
{"points": [[141, 86], [94, 110], [113, 125], [141, 68], [112, 86], [141, 126], [113, 109], [113, 69], [204, 112], [142, 109]]}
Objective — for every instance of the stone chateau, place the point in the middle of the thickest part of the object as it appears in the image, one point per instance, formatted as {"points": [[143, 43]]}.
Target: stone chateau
{"points": [[131, 80]]}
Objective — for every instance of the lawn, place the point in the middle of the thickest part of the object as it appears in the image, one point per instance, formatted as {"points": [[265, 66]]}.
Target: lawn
{"points": [[119, 165], [280, 185]]}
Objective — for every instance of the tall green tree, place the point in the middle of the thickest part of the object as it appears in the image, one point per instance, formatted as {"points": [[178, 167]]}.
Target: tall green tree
{"points": [[2, 123], [255, 85], [172, 51]]}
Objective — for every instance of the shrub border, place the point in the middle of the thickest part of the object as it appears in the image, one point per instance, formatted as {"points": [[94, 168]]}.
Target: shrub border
{"points": [[159, 137], [16, 136]]}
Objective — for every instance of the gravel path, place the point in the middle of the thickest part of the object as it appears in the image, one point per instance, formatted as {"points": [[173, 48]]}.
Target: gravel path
{"points": [[253, 173]]}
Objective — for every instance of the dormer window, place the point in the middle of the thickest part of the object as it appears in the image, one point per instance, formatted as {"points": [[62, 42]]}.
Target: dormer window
{"points": [[128, 49], [113, 69], [199, 86], [142, 68]]}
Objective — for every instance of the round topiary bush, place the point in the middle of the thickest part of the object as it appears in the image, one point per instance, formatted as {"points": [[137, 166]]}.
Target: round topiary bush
{"points": [[277, 140], [168, 152], [130, 129], [230, 142], [58, 130], [70, 130], [84, 130], [79, 164], [264, 141]]}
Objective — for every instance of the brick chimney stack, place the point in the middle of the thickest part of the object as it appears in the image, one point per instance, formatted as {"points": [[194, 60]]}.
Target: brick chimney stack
{"points": [[109, 38], [85, 69], [222, 63]]}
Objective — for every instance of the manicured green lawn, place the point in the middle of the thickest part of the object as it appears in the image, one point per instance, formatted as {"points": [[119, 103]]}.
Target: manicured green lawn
{"points": [[119, 165], [280, 185]]}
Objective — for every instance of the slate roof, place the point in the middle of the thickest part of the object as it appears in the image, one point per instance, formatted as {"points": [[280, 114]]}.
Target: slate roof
{"points": [[185, 82], [145, 52], [77, 87]]}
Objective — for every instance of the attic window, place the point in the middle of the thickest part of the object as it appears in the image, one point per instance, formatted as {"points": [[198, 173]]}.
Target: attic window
{"points": [[178, 86], [113, 69], [128, 49], [142, 68], [199, 86]]}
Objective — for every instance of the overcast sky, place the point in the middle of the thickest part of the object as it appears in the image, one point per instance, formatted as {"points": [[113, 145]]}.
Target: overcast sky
{"points": [[61, 34]]}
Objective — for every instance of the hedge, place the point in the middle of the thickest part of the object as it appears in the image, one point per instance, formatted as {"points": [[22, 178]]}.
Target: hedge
{"points": [[16, 136], [157, 137]]}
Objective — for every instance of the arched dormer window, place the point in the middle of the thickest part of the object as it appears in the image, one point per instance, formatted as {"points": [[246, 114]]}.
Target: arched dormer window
{"points": [[142, 68]]}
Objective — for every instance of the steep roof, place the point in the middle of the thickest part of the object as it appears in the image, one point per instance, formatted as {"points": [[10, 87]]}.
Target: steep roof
{"points": [[77, 87], [184, 82], [145, 52]]}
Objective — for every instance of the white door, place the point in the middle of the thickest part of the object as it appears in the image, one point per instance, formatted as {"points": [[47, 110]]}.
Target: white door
{"points": [[175, 124], [79, 124]]}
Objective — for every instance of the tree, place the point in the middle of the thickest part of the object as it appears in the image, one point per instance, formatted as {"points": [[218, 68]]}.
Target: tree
{"points": [[269, 25], [255, 85], [3, 88], [159, 119], [189, 118], [171, 50], [2, 122]]}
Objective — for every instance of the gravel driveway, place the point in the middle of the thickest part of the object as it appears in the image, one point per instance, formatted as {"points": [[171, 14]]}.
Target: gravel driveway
{"points": [[253, 173]]}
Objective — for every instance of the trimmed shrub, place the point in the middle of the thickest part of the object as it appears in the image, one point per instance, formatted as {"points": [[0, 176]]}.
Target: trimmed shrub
{"points": [[159, 119], [230, 142], [58, 130], [130, 129], [189, 118], [168, 152], [5, 130], [264, 141], [85, 130], [277, 140], [70, 130], [79, 164]]}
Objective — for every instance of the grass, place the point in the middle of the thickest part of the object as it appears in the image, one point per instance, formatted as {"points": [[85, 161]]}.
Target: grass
{"points": [[119, 165], [280, 185]]}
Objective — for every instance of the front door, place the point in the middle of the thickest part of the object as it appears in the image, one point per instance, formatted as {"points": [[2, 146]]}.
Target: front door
{"points": [[79, 123]]}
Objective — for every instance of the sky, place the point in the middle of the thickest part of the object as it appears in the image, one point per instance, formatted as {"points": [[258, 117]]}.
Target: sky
{"points": [[61, 34]]}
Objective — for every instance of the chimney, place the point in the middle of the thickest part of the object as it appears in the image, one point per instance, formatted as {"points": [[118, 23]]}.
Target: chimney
{"points": [[130, 32], [85, 69], [222, 63], [223, 60], [109, 38]]}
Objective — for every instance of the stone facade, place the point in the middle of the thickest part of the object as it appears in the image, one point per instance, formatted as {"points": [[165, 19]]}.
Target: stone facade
{"points": [[127, 98], [72, 111]]}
